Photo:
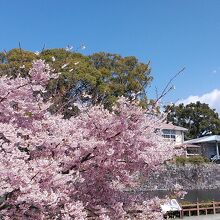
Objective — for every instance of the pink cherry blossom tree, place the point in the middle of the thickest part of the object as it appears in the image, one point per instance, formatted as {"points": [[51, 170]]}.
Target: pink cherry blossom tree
{"points": [[54, 168]]}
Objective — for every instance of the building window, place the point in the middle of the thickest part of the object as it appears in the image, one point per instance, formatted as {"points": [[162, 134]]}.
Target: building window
{"points": [[169, 134], [193, 151]]}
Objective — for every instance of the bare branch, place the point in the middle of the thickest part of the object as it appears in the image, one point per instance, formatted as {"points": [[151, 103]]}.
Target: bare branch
{"points": [[168, 86], [43, 48], [87, 157], [19, 44]]}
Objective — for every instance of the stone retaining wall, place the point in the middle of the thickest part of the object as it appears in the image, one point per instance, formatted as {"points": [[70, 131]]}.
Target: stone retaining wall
{"points": [[189, 176]]}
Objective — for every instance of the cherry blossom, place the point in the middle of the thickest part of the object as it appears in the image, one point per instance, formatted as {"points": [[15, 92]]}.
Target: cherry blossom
{"points": [[55, 168]]}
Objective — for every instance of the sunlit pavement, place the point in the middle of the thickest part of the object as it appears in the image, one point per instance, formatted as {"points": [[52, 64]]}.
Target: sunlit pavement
{"points": [[203, 217]]}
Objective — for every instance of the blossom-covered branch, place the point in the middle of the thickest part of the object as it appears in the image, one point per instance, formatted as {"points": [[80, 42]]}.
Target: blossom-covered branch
{"points": [[54, 168]]}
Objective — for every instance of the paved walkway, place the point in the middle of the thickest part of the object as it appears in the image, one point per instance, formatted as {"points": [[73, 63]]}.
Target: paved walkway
{"points": [[203, 217]]}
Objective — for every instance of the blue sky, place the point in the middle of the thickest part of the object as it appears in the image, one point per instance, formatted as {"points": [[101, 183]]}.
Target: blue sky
{"points": [[172, 34]]}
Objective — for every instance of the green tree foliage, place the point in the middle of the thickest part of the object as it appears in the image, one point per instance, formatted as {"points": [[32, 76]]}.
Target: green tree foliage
{"points": [[197, 117], [89, 80], [16, 62], [119, 76]]}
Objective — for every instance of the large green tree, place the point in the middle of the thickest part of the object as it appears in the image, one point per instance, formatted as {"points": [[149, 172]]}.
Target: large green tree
{"points": [[197, 117], [89, 80]]}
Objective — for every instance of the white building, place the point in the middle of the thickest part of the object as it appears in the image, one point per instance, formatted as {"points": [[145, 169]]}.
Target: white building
{"points": [[173, 132], [209, 146]]}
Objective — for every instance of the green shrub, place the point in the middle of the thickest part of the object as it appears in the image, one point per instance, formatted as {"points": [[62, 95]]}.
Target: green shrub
{"points": [[197, 160], [181, 160], [191, 160]]}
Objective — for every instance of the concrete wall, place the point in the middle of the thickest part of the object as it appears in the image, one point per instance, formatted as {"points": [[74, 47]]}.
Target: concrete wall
{"points": [[189, 176]]}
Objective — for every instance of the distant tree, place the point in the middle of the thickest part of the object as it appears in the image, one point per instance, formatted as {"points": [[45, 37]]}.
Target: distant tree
{"points": [[197, 117], [120, 76], [89, 80]]}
